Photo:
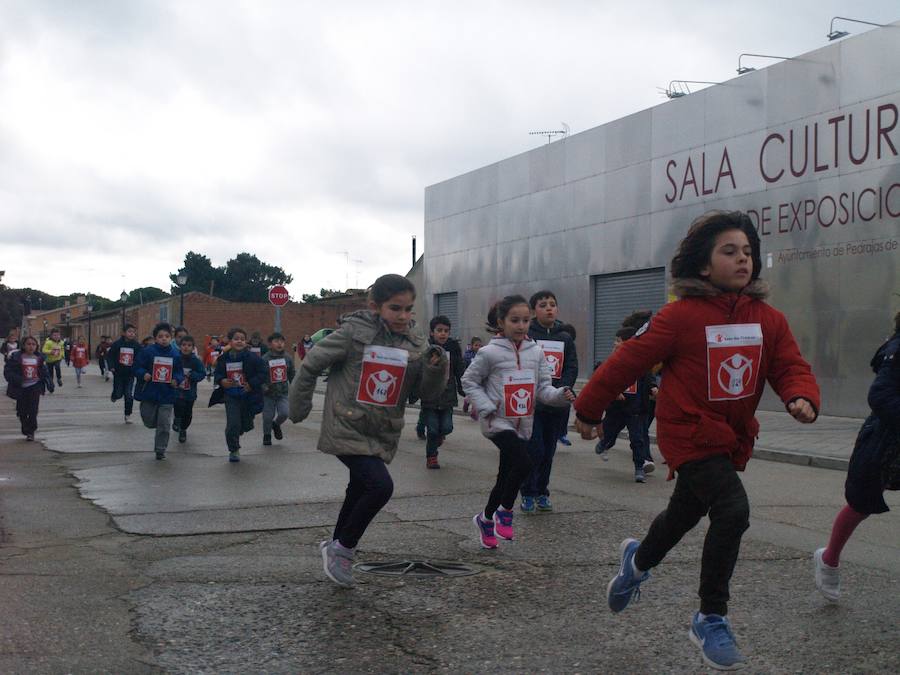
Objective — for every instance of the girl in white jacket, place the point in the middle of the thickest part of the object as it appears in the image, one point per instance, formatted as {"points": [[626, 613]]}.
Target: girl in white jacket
{"points": [[502, 383]]}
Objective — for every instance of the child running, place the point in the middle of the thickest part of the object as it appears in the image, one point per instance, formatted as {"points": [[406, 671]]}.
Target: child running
{"points": [[120, 359], [375, 363], [194, 371], [100, 353], [240, 375], [28, 379], [874, 464], [503, 381], [158, 371], [80, 359], [54, 351], [437, 411], [719, 344], [280, 373]]}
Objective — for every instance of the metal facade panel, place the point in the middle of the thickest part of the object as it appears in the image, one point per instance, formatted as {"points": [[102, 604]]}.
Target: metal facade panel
{"points": [[618, 295], [447, 304], [617, 198]]}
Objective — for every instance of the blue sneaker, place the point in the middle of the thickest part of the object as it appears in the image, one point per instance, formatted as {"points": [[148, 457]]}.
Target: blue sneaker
{"points": [[544, 503], [625, 585], [565, 441], [714, 637], [527, 505]]}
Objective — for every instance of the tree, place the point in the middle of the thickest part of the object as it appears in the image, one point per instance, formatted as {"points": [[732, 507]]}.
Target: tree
{"points": [[201, 275], [244, 278], [323, 293]]}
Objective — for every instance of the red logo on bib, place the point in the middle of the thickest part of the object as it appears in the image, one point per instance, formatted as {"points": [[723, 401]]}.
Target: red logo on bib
{"points": [[382, 374], [733, 355], [162, 369], [277, 370], [126, 356], [554, 352], [518, 393]]}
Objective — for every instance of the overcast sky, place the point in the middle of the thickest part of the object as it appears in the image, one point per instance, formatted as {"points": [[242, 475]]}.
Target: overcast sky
{"points": [[132, 132]]}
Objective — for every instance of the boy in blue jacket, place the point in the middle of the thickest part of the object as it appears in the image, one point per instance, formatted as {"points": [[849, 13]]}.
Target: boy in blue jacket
{"points": [[158, 373], [240, 376], [194, 371]]}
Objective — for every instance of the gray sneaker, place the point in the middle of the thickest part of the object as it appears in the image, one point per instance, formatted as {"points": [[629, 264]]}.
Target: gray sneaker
{"points": [[337, 562], [828, 579]]}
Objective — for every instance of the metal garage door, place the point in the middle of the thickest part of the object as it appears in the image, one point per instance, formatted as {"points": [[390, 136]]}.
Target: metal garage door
{"points": [[446, 304], [618, 295]]}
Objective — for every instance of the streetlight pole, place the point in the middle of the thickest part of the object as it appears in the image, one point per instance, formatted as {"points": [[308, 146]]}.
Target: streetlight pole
{"points": [[181, 279], [90, 308], [123, 297]]}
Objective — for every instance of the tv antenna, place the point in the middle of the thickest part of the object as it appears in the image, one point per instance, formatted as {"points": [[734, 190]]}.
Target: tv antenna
{"points": [[550, 133], [358, 263]]}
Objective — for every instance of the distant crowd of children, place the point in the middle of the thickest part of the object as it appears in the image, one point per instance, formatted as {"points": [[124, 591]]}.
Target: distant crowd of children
{"points": [[699, 367]]}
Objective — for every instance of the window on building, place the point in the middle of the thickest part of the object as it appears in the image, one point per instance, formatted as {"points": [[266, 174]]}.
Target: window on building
{"points": [[447, 304], [615, 296], [164, 312]]}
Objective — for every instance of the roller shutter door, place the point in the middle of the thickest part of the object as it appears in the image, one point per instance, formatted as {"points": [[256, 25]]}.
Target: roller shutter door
{"points": [[618, 295], [446, 304]]}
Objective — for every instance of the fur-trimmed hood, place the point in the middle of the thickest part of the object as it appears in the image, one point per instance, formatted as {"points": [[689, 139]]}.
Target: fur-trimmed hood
{"points": [[684, 288]]}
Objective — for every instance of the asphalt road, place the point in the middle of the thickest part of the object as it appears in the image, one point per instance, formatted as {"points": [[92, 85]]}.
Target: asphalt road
{"points": [[197, 565]]}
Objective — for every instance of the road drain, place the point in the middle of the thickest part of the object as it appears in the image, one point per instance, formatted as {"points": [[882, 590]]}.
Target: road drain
{"points": [[417, 568]]}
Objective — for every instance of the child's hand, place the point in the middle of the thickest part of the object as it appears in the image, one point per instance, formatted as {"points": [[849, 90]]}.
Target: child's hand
{"points": [[802, 411], [147, 377], [435, 359], [570, 395], [653, 392], [226, 383], [174, 384], [247, 387], [589, 432], [620, 397]]}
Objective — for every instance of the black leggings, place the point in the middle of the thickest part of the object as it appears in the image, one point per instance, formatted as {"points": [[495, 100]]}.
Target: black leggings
{"points": [[184, 413], [370, 488], [704, 486], [27, 408], [515, 465]]}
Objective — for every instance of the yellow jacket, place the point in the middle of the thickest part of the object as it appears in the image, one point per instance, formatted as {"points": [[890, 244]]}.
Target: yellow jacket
{"points": [[54, 350]]}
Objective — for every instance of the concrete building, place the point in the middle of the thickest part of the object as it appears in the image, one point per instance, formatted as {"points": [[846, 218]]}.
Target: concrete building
{"points": [[809, 147]]}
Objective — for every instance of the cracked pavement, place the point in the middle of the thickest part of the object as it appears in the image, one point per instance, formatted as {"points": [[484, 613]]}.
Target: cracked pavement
{"points": [[113, 562]]}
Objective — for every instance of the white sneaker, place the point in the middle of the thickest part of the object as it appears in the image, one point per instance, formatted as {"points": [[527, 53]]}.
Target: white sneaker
{"points": [[649, 466], [828, 578], [127, 419]]}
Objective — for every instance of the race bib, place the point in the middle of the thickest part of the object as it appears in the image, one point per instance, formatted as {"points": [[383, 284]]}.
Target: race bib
{"points": [[54, 351], [518, 393], [631, 390], [213, 357], [80, 353], [235, 372], [555, 352], [381, 379], [162, 369], [186, 382], [256, 350], [126, 356], [30, 371], [277, 370], [733, 355]]}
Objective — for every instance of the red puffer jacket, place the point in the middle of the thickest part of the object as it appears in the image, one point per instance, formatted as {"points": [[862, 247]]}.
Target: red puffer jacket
{"points": [[718, 350]]}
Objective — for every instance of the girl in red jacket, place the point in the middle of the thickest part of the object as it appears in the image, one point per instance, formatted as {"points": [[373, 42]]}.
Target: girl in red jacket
{"points": [[719, 345], [80, 358]]}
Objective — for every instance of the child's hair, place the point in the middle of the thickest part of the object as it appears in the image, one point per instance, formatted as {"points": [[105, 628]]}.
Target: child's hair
{"points": [[127, 326], [568, 328], [275, 336], [540, 295], [475, 339], [637, 318], [147, 339], [256, 335], [500, 309], [234, 331], [695, 251], [32, 338], [626, 333], [389, 285], [179, 329], [439, 320], [54, 330], [162, 326], [186, 338]]}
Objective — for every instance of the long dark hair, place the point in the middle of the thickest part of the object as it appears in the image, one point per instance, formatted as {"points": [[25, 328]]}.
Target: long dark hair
{"points": [[500, 309], [695, 251]]}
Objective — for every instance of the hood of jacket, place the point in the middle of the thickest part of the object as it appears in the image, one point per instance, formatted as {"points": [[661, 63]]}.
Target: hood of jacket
{"points": [[698, 288], [536, 329]]}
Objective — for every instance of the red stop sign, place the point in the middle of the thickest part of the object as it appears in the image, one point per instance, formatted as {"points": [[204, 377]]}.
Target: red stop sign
{"points": [[279, 296]]}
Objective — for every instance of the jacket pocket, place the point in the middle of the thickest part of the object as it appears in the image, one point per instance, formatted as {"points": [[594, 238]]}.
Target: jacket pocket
{"points": [[349, 421]]}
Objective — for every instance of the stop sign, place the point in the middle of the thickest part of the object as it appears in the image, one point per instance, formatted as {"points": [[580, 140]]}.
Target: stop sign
{"points": [[279, 296]]}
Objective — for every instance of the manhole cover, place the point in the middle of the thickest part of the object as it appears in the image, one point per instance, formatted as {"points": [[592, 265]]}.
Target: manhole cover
{"points": [[417, 568]]}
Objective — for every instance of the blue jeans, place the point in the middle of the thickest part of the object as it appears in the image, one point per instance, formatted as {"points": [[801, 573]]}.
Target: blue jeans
{"points": [[542, 447], [638, 437], [438, 422], [123, 386]]}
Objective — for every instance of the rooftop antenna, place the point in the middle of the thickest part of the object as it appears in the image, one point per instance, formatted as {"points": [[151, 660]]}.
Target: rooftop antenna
{"points": [[679, 88], [552, 132], [358, 263]]}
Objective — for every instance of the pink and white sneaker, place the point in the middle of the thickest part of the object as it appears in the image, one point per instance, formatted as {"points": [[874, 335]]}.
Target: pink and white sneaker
{"points": [[503, 524], [485, 531]]}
